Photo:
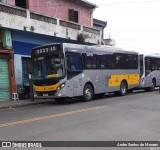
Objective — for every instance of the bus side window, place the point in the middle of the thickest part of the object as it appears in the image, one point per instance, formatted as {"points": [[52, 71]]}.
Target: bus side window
{"points": [[68, 63], [101, 61], [74, 62], [89, 62], [132, 61], [147, 66], [158, 63], [120, 61]]}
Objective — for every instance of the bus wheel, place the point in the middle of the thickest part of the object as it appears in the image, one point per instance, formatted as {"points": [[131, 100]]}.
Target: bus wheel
{"points": [[87, 93], [59, 100], [153, 87], [123, 89]]}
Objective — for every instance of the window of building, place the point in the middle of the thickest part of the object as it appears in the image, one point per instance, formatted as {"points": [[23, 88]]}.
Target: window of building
{"points": [[73, 15], [21, 3]]}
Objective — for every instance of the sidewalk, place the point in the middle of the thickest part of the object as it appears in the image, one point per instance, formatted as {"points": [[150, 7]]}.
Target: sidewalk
{"points": [[19, 103]]}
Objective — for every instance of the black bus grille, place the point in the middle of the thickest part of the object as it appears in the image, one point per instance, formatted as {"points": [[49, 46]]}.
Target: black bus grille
{"points": [[52, 93]]}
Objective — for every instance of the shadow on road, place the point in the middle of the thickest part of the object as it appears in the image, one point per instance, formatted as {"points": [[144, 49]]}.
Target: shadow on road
{"points": [[71, 101]]}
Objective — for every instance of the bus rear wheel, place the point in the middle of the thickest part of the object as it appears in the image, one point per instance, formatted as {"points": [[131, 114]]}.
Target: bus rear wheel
{"points": [[87, 93], [152, 88], [123, 89]]}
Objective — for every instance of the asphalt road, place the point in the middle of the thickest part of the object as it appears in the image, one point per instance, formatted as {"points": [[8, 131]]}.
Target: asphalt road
{"points": [[135, 117]]}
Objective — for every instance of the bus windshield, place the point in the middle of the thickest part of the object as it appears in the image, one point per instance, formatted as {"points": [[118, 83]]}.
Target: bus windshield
{"points": [[50, 66]]}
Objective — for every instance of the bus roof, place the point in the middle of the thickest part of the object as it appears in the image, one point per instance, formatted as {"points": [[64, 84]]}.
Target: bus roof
{"points": [[152, 55], [103, 48]]}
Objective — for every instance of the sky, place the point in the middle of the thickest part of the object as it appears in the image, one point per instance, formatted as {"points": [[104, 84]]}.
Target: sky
{"points": [[134, 24]]}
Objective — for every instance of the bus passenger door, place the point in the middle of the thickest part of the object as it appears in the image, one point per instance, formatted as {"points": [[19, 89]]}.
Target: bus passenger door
{"points": [[74, 73], [103, 76], [148, 74]]}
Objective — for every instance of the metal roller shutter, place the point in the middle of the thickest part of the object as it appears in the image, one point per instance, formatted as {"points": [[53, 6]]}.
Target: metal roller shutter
{"points": [[4, 80]]}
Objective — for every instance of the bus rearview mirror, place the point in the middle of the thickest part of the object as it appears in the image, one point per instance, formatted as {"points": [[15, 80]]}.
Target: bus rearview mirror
{"points": [[29, 67]]}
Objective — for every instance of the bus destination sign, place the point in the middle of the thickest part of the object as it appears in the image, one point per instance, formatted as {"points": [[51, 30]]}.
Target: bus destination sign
{"points": [[46, 50]]}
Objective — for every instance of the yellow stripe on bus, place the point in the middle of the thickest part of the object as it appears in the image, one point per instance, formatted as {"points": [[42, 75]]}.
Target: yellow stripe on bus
{"points": [[53, 75], [115, 80], [46, 88]]}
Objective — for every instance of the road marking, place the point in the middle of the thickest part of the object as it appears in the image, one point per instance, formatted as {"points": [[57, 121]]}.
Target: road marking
{"points": [[50, 116]]}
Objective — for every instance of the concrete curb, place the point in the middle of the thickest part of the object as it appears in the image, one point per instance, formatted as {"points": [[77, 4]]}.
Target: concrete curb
{"points": [[14, 104]]}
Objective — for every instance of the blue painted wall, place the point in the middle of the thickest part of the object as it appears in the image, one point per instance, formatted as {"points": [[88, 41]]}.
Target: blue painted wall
{"points": [[23, 42]]}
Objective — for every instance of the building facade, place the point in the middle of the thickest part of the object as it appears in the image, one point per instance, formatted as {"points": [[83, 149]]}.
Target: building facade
{"points": [[100, 25], [25, 24]]}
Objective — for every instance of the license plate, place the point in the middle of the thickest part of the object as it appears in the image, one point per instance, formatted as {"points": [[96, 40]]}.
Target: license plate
{"points": [[45, 94]]}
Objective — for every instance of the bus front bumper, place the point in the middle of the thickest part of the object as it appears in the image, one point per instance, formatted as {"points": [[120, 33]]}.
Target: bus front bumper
{"points": [[50, 95]]}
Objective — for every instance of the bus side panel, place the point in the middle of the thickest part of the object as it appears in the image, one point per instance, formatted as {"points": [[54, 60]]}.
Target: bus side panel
{"points": [[153, 75], [115, 77], [92, 76], [156, 75], [110, 80], [77, 85], [158, 78]]}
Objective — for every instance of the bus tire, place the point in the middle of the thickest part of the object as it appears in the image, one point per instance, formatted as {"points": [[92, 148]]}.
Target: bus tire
{"points": [[87, 93], [59, 100], [123, 88], [152, 88]]}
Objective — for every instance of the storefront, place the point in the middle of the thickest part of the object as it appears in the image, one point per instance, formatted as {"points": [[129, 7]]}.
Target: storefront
{"points": [[7, 78]]}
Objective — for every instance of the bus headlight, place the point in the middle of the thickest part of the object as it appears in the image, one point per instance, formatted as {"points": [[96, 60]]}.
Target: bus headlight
{"points": [[61, 86]]}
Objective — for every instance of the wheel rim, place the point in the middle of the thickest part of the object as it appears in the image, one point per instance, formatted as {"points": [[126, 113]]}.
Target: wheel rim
{"points": [[123, 88], [153, 85], [88, 93]]}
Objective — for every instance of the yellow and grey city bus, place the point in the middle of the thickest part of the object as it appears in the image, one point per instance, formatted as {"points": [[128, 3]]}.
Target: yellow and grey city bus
{"points": [[149, 71], [71, 70]]}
